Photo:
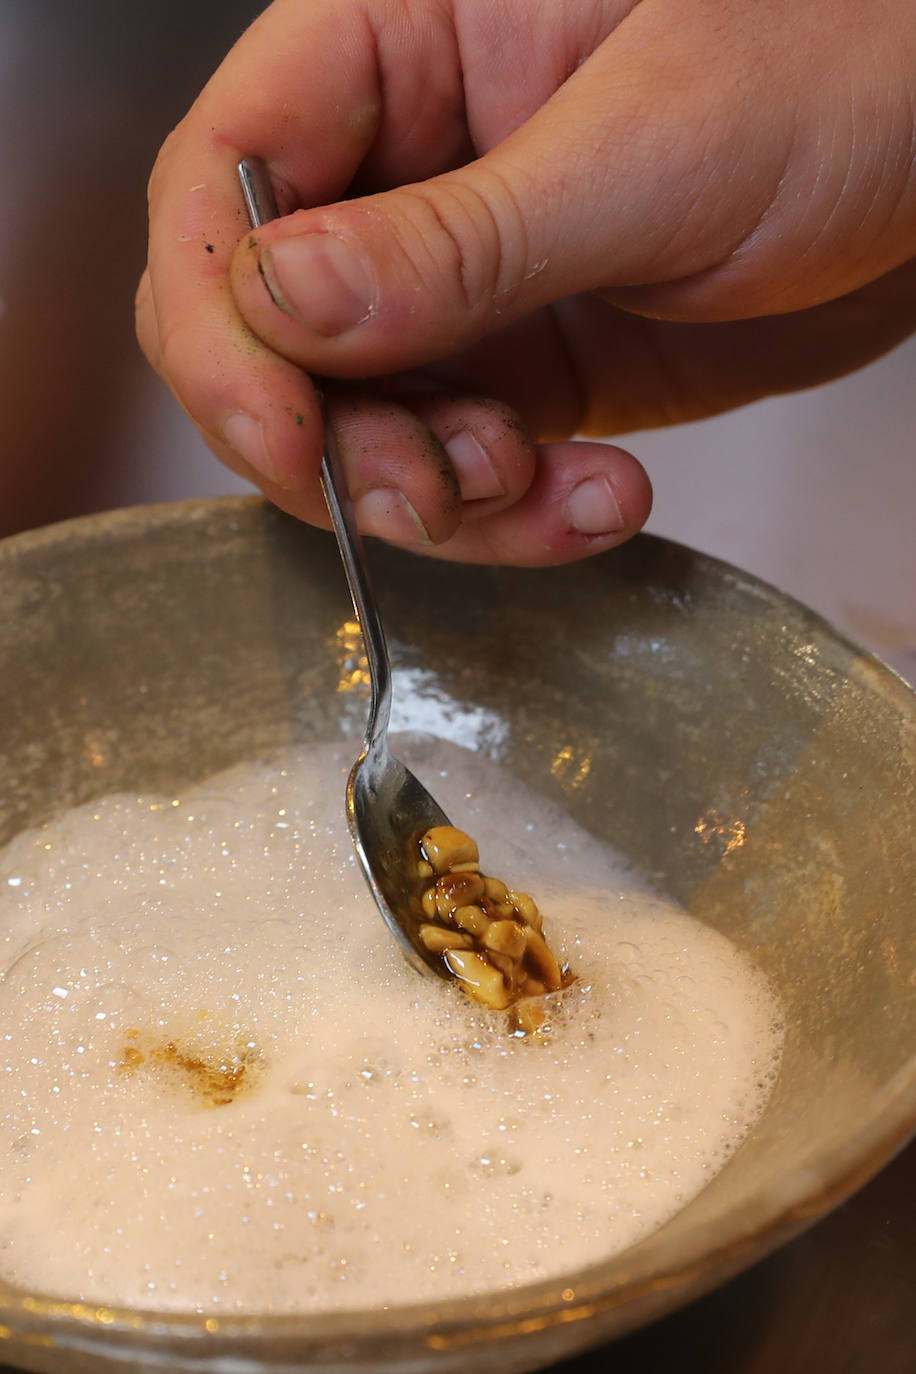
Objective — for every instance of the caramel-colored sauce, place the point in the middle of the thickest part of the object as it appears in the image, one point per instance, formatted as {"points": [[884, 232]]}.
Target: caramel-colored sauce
{"points": [[216, 1080]]}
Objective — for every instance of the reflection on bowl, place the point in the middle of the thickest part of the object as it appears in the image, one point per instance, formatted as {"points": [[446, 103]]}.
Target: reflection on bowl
{"points": [[752, 764]]}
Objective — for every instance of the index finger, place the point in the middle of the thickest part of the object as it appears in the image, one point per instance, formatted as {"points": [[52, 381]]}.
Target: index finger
{"points": [[312, 122]]}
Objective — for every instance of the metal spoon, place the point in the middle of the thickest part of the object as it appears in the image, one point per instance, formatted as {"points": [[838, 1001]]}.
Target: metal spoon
{"points": [[388, 809]]}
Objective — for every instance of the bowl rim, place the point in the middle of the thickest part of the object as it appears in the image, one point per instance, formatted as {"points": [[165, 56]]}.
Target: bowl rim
{"points": [[820, 1181]]}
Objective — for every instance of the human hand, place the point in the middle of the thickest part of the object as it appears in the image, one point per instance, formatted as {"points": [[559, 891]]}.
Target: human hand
{"points": [[605, 217]]}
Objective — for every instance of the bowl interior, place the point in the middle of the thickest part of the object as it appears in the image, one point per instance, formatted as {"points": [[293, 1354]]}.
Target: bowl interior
{"points": [[755, 766]]}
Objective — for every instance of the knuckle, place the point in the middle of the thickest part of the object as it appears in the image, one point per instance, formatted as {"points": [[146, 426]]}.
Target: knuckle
{"points": [[475, 228]]}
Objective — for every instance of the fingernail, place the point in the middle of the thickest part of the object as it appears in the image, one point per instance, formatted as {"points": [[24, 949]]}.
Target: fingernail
{"points": [[386, 512], [476, 475], [592, 508], [246, 435], [322, 281]]}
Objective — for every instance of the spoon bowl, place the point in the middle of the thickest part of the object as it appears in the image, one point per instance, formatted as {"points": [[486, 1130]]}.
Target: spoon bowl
{"points": [[387, 810]]}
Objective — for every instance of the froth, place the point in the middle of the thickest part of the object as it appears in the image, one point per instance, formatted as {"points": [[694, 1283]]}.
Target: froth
{"points": [[226, 1091]]}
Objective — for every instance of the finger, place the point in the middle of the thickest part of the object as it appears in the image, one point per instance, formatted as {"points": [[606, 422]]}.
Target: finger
{"points": [[400, 480], [652, 164], [417, 467], [413, 471], [309, 505], [237, 457], [585, 498], [314, 121], [236, 390], [486, 444], [636, 373]]}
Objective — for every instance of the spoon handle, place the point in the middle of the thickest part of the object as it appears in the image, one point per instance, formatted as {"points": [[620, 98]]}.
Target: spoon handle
{"points": [[261, 205]]}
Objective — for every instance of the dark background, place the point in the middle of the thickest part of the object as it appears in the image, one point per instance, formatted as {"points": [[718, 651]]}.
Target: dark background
{"points": [[88, 91]]}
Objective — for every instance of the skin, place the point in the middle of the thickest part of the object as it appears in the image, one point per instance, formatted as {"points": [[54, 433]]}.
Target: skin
{"points": [[505, 222]]}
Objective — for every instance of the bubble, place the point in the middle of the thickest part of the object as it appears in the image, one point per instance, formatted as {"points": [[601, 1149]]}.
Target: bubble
{"points": [[397, 1142], [627, 952], [493, 1163]]}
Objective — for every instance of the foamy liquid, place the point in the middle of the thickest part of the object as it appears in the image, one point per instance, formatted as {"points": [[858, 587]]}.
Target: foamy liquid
{"points": [[376, 1137]]}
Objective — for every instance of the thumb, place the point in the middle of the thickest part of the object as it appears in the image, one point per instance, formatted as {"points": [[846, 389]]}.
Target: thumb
{"points": [[616, 180]]}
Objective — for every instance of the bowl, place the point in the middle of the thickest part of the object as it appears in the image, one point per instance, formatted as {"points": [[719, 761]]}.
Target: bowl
{"points": [[754, 765]]}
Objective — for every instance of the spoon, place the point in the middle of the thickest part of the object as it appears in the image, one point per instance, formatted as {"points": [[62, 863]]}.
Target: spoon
{"points": [[388, 809]]}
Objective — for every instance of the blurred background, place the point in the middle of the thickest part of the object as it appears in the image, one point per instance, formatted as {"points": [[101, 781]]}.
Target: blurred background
{"points": [[816, 493]]}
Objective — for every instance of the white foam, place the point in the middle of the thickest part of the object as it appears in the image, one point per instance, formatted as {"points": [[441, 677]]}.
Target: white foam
{"points": [[393, 1144]]}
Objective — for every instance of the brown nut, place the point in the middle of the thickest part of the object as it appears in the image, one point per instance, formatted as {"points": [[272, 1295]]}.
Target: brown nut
{"points": [[478, 977], [540, 958], [445, 845], [511, 970], [471, 919], [505, 937], [495, 890], [437, 939], [457, 889], [428, 901], [489, 935], [526, 908]]}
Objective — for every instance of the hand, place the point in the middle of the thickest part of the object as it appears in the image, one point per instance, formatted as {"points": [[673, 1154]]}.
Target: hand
{"points": [[602, 216]]}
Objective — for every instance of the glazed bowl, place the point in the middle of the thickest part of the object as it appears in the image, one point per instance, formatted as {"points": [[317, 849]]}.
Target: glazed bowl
{"points": [[746, 759]]}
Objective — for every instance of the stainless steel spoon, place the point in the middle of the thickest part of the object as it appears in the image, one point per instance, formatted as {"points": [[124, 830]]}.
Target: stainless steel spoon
{"points": [[388, 809]]}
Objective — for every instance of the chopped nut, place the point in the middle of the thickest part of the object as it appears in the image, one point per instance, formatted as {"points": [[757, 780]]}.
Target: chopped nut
{"points": [[457, 889], [428, 899], [525, 908], [506, 937], [489, 935], [509, 968], [495, 890], [544, 962], [445, 845], [470, 918], [438, 939], [483, 981]]}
